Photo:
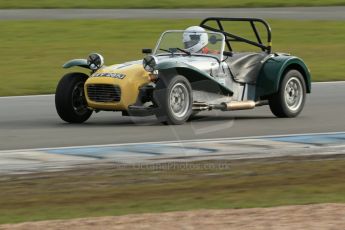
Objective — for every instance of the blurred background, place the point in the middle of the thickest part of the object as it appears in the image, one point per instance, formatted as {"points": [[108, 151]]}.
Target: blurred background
{"points": [[34, 50]]}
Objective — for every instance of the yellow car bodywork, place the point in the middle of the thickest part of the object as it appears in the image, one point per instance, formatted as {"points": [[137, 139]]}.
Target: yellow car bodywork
{"points": [[134, 77]]}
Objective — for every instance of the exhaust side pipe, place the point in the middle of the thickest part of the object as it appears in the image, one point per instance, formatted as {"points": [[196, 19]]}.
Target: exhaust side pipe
{"points": [[229, 106], [238, 105]]}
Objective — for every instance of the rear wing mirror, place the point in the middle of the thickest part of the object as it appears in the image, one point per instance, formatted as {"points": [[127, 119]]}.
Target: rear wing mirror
{"points": [[146, 51], [227, 53]]}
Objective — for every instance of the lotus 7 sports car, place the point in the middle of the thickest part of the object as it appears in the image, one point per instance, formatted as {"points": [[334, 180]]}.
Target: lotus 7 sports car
{"points": [[190, 71]]}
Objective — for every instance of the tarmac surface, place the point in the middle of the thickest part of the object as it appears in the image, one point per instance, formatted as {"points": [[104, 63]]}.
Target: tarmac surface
{"points": [[298, 13], [32, 122]]}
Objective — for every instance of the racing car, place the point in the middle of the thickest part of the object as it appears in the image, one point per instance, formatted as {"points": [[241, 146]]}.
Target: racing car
{"points": [[189, 71]]}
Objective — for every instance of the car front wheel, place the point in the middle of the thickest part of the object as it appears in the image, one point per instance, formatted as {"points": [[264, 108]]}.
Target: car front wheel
{"points": [[290, 99], [174, 100], [70, 99]]}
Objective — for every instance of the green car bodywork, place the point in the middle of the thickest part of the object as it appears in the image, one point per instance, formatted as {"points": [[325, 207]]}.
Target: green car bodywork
{"points": [[273, 70], [269, 77], [190, 72]]}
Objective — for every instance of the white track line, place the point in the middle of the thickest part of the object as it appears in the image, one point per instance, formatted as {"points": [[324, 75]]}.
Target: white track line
{"points": [[174, 142], [27, 96], [328, 82]]}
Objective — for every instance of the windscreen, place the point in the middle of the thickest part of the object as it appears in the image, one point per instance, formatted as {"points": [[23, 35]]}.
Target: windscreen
{"points": [[191, 43]]}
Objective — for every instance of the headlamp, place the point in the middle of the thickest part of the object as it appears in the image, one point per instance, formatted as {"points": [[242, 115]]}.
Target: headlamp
{"points": [[149, 63], [95, 61]]}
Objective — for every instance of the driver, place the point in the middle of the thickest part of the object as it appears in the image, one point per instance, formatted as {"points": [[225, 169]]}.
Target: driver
{"points": [[195, 40]]}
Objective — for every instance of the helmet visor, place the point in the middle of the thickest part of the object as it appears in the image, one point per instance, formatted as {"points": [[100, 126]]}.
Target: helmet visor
{"points": [[194, 39]]}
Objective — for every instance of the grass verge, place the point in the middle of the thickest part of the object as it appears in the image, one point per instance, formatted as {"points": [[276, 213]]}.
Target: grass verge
{"points": [[108, 190], [34, 51], [163, 4]]}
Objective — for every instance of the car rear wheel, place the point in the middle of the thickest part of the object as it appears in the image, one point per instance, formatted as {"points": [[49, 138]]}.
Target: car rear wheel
{"points": [[70, 99], [174, 100], [290, 99]]}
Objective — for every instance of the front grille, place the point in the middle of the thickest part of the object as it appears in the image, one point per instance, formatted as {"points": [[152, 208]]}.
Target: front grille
{"points": [[104, 93]]}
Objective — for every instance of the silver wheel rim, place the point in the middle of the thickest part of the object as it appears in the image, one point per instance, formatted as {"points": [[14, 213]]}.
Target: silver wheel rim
{"points": [[78, 99], [293, 94], [179, 100]]}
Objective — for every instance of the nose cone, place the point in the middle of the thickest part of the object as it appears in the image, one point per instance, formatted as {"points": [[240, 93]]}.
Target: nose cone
{"points": [[126, 79]]}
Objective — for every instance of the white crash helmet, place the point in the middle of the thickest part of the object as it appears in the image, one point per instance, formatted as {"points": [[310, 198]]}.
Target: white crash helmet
{"points": [[194, 39]]}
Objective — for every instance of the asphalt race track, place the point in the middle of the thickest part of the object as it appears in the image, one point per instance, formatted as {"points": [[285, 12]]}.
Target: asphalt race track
{"points": [[32, 122], [300, 13]]}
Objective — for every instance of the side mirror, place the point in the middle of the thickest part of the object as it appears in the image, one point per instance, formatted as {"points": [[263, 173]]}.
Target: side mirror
{"points": [[213, 39], [227, 53], [146, 51]]}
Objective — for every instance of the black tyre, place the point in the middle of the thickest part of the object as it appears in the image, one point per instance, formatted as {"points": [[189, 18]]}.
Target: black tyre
{"points": [[70, 99], [290, 99], [193, 115], [174, 99]]}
